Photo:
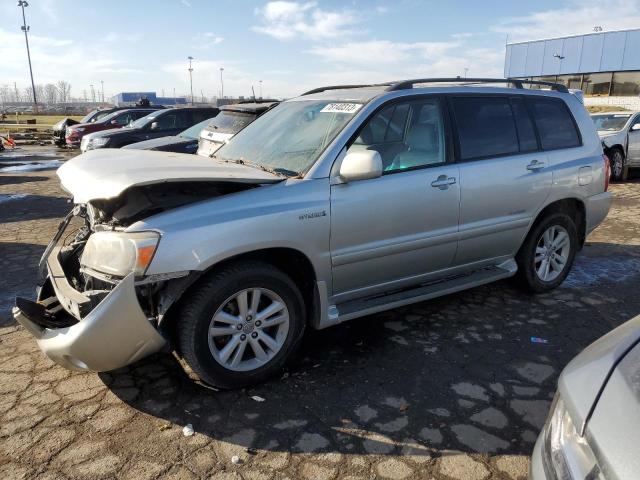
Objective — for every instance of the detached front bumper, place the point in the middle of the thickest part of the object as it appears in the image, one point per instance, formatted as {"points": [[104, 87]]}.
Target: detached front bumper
{"points": [[113, 334]]}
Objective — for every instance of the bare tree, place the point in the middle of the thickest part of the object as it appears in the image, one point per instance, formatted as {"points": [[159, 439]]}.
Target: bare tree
{"points": [[64, 91], [5, 94], [50, 94], [27, 94]]}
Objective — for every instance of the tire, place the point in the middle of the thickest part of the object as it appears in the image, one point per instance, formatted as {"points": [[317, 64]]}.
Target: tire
{"points": [[220, 295], [529, 266], [617, 165]]}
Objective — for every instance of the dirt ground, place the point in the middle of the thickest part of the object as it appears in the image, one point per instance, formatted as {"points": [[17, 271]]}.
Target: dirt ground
{"points": [[447, 389]]}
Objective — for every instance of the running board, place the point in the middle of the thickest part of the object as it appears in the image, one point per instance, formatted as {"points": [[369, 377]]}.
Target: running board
{"points": [[361, 307]]}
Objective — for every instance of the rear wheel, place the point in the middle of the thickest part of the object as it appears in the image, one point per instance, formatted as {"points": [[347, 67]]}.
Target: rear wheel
{"points": [[241, 325], [545, 258]]}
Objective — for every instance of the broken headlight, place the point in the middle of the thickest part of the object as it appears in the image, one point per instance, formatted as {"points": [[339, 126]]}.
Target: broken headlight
{"points": [[120, 253]]}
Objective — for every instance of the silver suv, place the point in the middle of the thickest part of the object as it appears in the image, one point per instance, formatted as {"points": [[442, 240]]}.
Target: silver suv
{"points": [[337, 204]]}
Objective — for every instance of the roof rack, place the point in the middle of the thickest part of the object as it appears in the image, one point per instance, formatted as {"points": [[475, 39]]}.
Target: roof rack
{"points": [[407, 84], [517, 82], [340, 87]]}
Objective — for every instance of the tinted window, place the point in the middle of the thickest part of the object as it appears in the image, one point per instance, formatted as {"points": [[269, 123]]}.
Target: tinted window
{"points": [[555, 124], [166, 122], [402, 146], [228, 121], [201, 115], [524, 126], [486, 126]]}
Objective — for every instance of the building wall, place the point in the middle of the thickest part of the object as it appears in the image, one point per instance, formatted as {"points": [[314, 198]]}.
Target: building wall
{"points": [[595, 52], [630, 103]]}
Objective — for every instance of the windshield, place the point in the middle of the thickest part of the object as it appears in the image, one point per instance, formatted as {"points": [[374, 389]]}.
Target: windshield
{"points": [[194, 132], [290, 137], [94, 116], [141, 122], [610, 123], [230, 122]]}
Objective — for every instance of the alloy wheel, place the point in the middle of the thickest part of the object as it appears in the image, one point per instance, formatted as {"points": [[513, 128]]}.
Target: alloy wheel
{"points": [[249, 329], [552, 253]]}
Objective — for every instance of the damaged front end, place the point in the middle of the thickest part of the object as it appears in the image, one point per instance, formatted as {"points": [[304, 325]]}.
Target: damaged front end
{"points": [[96, 308]]}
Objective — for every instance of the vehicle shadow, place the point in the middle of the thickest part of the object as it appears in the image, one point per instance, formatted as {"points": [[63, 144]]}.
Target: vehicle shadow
{"points": [[33, 207], [471, 372], [18, 264], [17, 179]]}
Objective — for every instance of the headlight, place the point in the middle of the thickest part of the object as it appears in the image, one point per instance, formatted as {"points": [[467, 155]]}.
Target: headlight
{"points": [[80, 129], [120, 253], [567, 454], [98, 142]]}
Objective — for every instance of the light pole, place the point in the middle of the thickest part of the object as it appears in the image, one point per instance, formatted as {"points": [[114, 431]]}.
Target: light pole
{"points": [[191, 78], [260, 84], [93, 94], [221, 83], [25, 29], [466, 70], [102, 88]]}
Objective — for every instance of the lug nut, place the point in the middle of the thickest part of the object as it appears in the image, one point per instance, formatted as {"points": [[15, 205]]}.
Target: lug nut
{"points": [[258, 323], [249, 318], [254, 335], [239, 327], [243, 337]]}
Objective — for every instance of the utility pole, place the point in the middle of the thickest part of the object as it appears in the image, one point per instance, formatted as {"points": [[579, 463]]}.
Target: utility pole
{"points": [[466, 70], [25, 29], [93, 94], [191, 78], [221, 83], [260, 84], [15, 87], [102, 88]]}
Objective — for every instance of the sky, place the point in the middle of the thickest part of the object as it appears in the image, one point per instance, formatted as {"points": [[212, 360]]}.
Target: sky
{"points": [[292, 46]]}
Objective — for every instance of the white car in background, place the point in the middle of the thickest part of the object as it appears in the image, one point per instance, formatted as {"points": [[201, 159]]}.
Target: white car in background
{"points": [[230, 120], [620, 135]]}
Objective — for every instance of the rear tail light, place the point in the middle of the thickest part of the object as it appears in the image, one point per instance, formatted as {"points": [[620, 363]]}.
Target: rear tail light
{"points": [[607, 171]]}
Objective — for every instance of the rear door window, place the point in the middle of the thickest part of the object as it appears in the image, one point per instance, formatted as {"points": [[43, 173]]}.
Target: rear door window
{"points": [[555, 124], [486, 127]]}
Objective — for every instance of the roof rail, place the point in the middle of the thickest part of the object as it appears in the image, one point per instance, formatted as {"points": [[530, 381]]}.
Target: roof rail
{"points": [[517, 82], [406, 84], [339, 87]]}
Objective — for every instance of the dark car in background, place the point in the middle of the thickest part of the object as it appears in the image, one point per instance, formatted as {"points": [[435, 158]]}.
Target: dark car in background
{"points": [[230, 120], [60, 128], [117, 119], [164, 123], [184, 142]]}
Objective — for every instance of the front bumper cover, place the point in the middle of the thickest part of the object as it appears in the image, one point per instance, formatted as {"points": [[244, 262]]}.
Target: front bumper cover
{"points": [[114, 334]]}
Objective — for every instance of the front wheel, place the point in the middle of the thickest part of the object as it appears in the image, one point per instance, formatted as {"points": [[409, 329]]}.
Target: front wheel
{"points": [[545, 258], [617, 165], [241, 324]]}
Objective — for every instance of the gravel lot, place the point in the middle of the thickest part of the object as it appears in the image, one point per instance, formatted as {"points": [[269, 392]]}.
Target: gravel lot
{"points": [[447, 389]]}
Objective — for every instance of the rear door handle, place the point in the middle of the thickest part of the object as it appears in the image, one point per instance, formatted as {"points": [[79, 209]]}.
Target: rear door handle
{"points": [[535, 165], [443, 182]]}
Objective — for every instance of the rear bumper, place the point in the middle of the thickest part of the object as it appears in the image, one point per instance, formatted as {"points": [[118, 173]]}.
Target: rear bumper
{"points": [[114, 334], [597, 208]]}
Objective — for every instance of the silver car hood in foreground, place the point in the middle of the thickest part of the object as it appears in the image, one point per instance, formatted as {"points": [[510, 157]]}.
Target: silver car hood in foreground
{"points": [[583, 378], [106, 173]]}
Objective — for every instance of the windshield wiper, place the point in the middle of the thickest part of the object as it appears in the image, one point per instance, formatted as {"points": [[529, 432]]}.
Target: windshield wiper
{"points": [[280, 172]]}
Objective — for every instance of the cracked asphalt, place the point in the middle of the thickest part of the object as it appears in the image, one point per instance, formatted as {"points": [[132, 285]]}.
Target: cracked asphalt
{"points": [[452, 388]]}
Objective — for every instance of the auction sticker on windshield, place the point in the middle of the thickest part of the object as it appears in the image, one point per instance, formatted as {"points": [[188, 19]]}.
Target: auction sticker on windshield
{"points": [[341, 108]]}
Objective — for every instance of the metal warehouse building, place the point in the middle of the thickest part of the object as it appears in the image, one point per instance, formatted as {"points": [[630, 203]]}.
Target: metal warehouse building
{"points": [[605, 65]]}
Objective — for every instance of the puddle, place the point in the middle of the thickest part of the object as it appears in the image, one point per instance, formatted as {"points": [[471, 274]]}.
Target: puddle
{"points": [[589, 271], [15, 196], [32, 167]]}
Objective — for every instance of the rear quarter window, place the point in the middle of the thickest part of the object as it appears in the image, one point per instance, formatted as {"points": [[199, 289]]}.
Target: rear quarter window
{"points": [[556, 126]]}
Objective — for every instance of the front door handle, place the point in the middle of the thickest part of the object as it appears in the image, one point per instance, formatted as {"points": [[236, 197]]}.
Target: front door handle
{"points": [[443, 182], [535, 165]]}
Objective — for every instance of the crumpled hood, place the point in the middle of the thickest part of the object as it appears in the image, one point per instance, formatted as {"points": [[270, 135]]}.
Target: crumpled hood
{"points": [[106, 173]]}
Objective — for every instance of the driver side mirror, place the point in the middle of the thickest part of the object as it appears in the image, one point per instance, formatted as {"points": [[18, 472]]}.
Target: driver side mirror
{"points": [[636, 127], [361, 165], [154, 126]]}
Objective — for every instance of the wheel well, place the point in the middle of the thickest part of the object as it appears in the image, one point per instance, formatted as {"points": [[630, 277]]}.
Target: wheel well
{"points": [[292, 262], [607, 150], [572, 207]]}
